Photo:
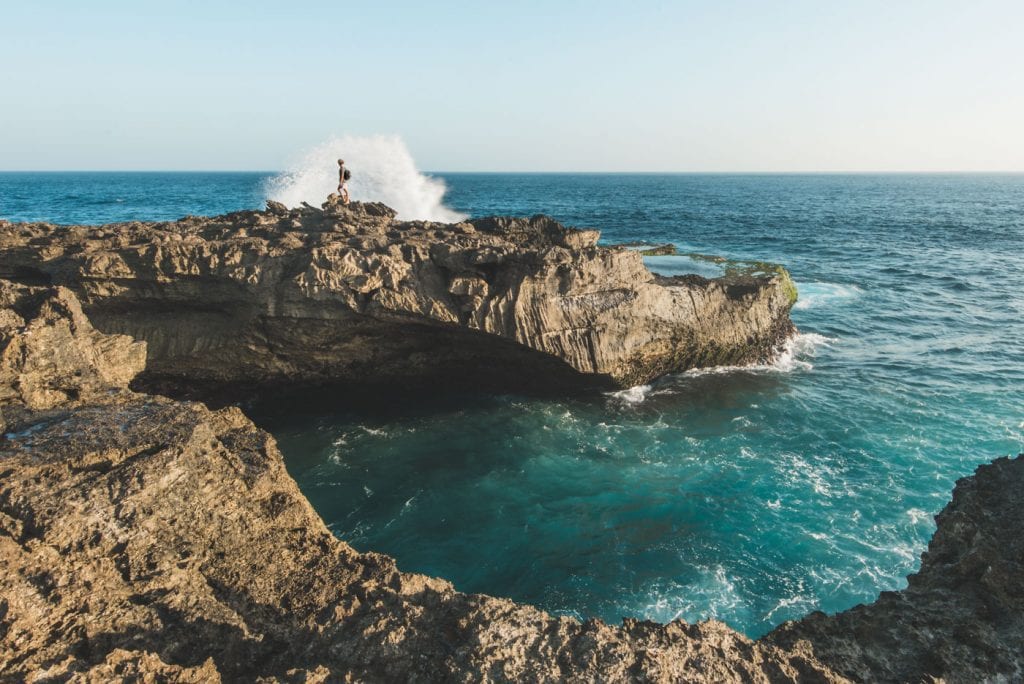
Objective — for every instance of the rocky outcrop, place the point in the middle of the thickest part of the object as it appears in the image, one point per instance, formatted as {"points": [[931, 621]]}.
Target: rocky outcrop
{"points": [[350, 295], [961, 617], [50, 355], [148, 539]]}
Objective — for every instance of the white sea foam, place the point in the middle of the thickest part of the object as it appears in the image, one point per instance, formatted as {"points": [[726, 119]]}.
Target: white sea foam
{"points": [[632, 395], [792, 604], [918, 516], [712, 594], [382, 168], [814, 295], [795, 355]]}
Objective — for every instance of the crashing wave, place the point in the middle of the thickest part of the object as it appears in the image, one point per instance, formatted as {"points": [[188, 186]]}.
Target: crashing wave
{"points": [[383, 170]]}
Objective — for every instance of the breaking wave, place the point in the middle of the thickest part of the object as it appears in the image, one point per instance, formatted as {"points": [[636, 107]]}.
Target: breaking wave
{"points": [[795, 355], [382, 168]]}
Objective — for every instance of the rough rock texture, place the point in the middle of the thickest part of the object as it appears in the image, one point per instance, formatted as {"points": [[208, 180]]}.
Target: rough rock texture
{"points": [[350, 295], [50, 354], [961, 617], [148, 539]]}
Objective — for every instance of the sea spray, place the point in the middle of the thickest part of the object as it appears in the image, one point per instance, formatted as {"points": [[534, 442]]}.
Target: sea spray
{"points": [[382, 168]]}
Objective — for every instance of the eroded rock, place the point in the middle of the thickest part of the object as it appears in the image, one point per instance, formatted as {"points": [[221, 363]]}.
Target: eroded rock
{"points": [[147, 539], [347, 294]]}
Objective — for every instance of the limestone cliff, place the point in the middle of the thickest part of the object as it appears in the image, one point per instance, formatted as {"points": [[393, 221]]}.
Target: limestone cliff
{"points": [[147, 539], [143, 538], [350, 295]]}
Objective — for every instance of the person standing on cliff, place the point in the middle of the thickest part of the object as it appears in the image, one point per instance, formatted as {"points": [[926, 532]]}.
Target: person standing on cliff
{"points": [[343, 176]]}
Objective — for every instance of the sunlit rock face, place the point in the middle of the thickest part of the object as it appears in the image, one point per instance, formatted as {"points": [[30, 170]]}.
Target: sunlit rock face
{"points": [[349, 295]]}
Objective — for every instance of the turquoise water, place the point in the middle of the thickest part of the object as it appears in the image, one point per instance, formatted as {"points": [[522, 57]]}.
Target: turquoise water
{"points": [[749, 495]]}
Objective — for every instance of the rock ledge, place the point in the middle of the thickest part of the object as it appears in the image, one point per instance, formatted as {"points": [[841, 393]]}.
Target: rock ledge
{"points": [[348, 295]]}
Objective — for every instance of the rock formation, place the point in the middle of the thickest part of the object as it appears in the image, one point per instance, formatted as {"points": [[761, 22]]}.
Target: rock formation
{"points": [[961, 616], [148, 539], [349, 295], [144, 538]]}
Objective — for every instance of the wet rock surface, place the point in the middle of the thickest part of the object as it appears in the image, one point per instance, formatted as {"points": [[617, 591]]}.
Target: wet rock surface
{"points": [[349, 295]]}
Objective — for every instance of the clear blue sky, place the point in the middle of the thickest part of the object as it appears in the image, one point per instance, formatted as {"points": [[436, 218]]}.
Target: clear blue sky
{"points": [[588, 86]]}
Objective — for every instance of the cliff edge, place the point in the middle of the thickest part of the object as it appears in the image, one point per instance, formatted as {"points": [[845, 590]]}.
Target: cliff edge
{"points": [[348, 295]]}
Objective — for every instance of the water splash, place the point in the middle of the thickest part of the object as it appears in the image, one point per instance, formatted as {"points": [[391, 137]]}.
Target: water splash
{"points": [[814, 295], [796, 352], [632, 395], [795, 355], [382, 168]]}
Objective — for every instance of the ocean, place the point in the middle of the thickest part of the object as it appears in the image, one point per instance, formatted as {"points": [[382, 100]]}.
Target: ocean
{"points": [[748, 495]]}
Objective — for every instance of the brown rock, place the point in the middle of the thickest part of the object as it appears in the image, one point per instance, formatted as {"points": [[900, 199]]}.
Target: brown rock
{"points": [[147, 539], [347, 294]]}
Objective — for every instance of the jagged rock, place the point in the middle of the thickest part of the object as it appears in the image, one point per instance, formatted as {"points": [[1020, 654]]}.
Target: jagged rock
{"points": [[961, 617], [348, 294], [50, 355], [147, 539], [276, 208]]}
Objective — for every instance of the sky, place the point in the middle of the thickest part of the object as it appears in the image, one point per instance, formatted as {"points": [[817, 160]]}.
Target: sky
{"points": [[516, 86]]}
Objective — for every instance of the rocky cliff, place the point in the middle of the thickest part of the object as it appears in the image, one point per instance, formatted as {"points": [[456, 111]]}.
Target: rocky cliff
{"points": [[142, 537], [147, 539], [350, 295]]}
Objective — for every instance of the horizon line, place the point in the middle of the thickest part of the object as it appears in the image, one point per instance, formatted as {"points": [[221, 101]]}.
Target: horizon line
{"points": [[566, 172]]}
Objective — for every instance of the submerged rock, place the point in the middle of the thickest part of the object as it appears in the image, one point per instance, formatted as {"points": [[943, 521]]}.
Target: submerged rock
{"points": [[349, 295]]}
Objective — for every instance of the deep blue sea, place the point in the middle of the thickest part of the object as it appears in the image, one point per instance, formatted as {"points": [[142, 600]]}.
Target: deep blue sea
{"points": [[750, 495]]}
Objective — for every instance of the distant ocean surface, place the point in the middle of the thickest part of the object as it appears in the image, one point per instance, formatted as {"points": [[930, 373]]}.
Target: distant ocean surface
{"points": [[752, 496]]}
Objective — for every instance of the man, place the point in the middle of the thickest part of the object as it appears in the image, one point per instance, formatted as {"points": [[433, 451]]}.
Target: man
{"points": [[343, 176]]}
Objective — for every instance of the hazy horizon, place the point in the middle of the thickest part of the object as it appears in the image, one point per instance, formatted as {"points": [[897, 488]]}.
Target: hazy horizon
{"points": [[571, 87]]}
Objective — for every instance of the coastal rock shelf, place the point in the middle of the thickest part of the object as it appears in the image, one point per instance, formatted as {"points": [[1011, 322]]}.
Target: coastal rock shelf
{"points": [[144, 538], [350, 295]]}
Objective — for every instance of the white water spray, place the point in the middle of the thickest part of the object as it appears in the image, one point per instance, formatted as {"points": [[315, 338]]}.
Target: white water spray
{"points": [[382, 171], [793, 356]]}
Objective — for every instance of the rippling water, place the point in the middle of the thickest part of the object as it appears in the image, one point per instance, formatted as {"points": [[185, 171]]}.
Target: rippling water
{"points": [[749, 495]]}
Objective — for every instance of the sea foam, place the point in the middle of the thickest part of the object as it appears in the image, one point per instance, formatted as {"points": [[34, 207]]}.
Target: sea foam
{"points": [[382, 168], [815, 295], [795, 355]]}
